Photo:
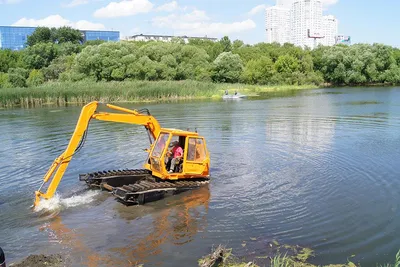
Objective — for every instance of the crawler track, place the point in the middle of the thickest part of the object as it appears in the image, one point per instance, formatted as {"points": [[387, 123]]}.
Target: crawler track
{"points": [[138, 186]]}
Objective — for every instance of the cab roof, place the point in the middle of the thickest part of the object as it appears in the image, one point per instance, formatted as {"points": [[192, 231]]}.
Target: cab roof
{"points": [[178, 132]]}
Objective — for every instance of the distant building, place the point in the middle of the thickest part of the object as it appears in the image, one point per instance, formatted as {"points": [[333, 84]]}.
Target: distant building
{"points": [[277, 21], [164, 38], [306, 22], [343, 39], [300, 22], [109, 36], [15, 37], [330, 27]]}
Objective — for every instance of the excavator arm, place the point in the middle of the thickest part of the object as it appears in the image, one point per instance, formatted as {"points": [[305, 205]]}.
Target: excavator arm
{"points": [[60, 164]]}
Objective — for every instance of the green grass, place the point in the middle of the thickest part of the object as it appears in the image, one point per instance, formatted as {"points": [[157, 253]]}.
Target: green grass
{"points": [[396, 263], [61, 93], [298, 259]]}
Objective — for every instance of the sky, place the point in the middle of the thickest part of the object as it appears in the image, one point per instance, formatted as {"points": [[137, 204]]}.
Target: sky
{"points": [[366, 21]]}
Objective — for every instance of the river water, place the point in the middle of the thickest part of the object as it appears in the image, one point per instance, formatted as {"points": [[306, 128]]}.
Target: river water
{"points": [[316, 168]]}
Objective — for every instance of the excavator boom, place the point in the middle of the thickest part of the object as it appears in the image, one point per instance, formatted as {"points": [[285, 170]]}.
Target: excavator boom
{"points": [[89, 111]]}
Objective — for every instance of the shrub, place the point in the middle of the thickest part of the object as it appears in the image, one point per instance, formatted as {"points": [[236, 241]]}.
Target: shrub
{"points": [[227, 67], [4, 80], [17, 77], [35, 78]]}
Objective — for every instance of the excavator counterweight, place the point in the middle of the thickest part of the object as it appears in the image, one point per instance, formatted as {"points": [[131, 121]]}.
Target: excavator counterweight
{"points": [[177, 160]]}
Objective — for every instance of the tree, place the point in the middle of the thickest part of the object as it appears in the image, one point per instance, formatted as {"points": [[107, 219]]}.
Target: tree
{"points": [[41, 35], [237, 44], [392, 75], [40, 55], [93, 42], [227, 67], [17, 77], [11, 59], [226, 44], [248, 53], [35, 78], [67, 34], [151, 61], [258, 71], [55, 35], [306, 63], [286, 64], [213, 49], [4, 80], [68, 48], [58, 66]]}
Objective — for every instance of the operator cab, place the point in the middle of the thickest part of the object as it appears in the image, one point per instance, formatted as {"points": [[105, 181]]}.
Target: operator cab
{"points": [[164, 162]]}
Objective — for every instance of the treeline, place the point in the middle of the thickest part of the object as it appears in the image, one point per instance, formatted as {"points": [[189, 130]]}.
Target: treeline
{"points": [[59, 55]]}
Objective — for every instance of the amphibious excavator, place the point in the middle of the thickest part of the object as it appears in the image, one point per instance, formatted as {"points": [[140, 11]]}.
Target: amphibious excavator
{"points": [[137, 186]]}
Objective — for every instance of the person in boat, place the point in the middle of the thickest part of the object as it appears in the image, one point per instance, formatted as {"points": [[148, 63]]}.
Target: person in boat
{"points": [[2, 258], [226, 92], [176, 154]]}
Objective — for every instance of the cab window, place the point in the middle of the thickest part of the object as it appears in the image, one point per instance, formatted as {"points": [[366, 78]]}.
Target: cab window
{"points": [[160, 145], [196, 150]]}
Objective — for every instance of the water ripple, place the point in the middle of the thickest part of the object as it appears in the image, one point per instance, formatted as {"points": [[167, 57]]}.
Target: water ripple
{"points": [[312, 169]]}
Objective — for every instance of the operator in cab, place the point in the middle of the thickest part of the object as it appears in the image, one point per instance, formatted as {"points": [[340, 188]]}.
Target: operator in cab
{"points": [[176, 155]]}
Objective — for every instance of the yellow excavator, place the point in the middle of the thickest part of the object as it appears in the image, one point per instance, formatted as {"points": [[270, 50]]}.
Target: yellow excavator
{"points": [[164, 172]]}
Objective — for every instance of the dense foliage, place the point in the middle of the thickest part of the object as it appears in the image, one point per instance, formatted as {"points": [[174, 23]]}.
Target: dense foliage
{"points": [[55, 35], [59, 55]]}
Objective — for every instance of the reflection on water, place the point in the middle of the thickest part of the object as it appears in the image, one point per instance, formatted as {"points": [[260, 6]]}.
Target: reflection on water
{"points": [[176, 223], [303, 167], [296, 125]]}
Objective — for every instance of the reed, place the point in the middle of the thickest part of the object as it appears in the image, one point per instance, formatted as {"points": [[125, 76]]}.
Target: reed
{"points": [[62, 93], [281, 261], [396, 262]]}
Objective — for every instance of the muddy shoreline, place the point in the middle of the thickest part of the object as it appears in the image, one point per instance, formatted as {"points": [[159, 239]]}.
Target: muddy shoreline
{"points": [[41, 260]]}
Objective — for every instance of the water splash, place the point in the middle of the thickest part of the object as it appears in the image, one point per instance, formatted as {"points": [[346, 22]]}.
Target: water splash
{"points": [[56, 203], [52, 204], [78, 200]]}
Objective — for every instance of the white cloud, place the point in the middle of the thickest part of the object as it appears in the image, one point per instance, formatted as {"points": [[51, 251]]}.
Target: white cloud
{"points": [[257, 9], [58, 21], [195, 15], [198, 23], [124, 8], [168, 7], [87, 25], [134, 31]]}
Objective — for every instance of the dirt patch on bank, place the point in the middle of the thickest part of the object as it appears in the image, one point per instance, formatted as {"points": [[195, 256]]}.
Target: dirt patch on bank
{"points": [[41, 261]]}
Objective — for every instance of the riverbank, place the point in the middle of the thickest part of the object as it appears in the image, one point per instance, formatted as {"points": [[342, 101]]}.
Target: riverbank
{"points": [[283, 256], [63, 93]]}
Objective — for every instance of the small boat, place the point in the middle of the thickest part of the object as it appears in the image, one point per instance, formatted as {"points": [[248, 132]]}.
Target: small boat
{"points": [[236, 96]]}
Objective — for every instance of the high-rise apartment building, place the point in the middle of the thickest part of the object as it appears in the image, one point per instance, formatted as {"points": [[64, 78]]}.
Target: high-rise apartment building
{"points": [[278, 26], [330, 26], [301, 23], [305, 22]]}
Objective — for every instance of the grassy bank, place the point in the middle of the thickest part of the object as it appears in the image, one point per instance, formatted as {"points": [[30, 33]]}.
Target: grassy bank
{"points": [[284, 256], [58, 93]]}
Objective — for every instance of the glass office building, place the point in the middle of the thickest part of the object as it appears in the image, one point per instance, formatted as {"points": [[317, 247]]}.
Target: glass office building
{"points": [[15, 37], [100, 35]]}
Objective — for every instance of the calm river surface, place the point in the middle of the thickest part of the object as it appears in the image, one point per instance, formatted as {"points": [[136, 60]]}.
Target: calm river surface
{"points": [[319, 168]]}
